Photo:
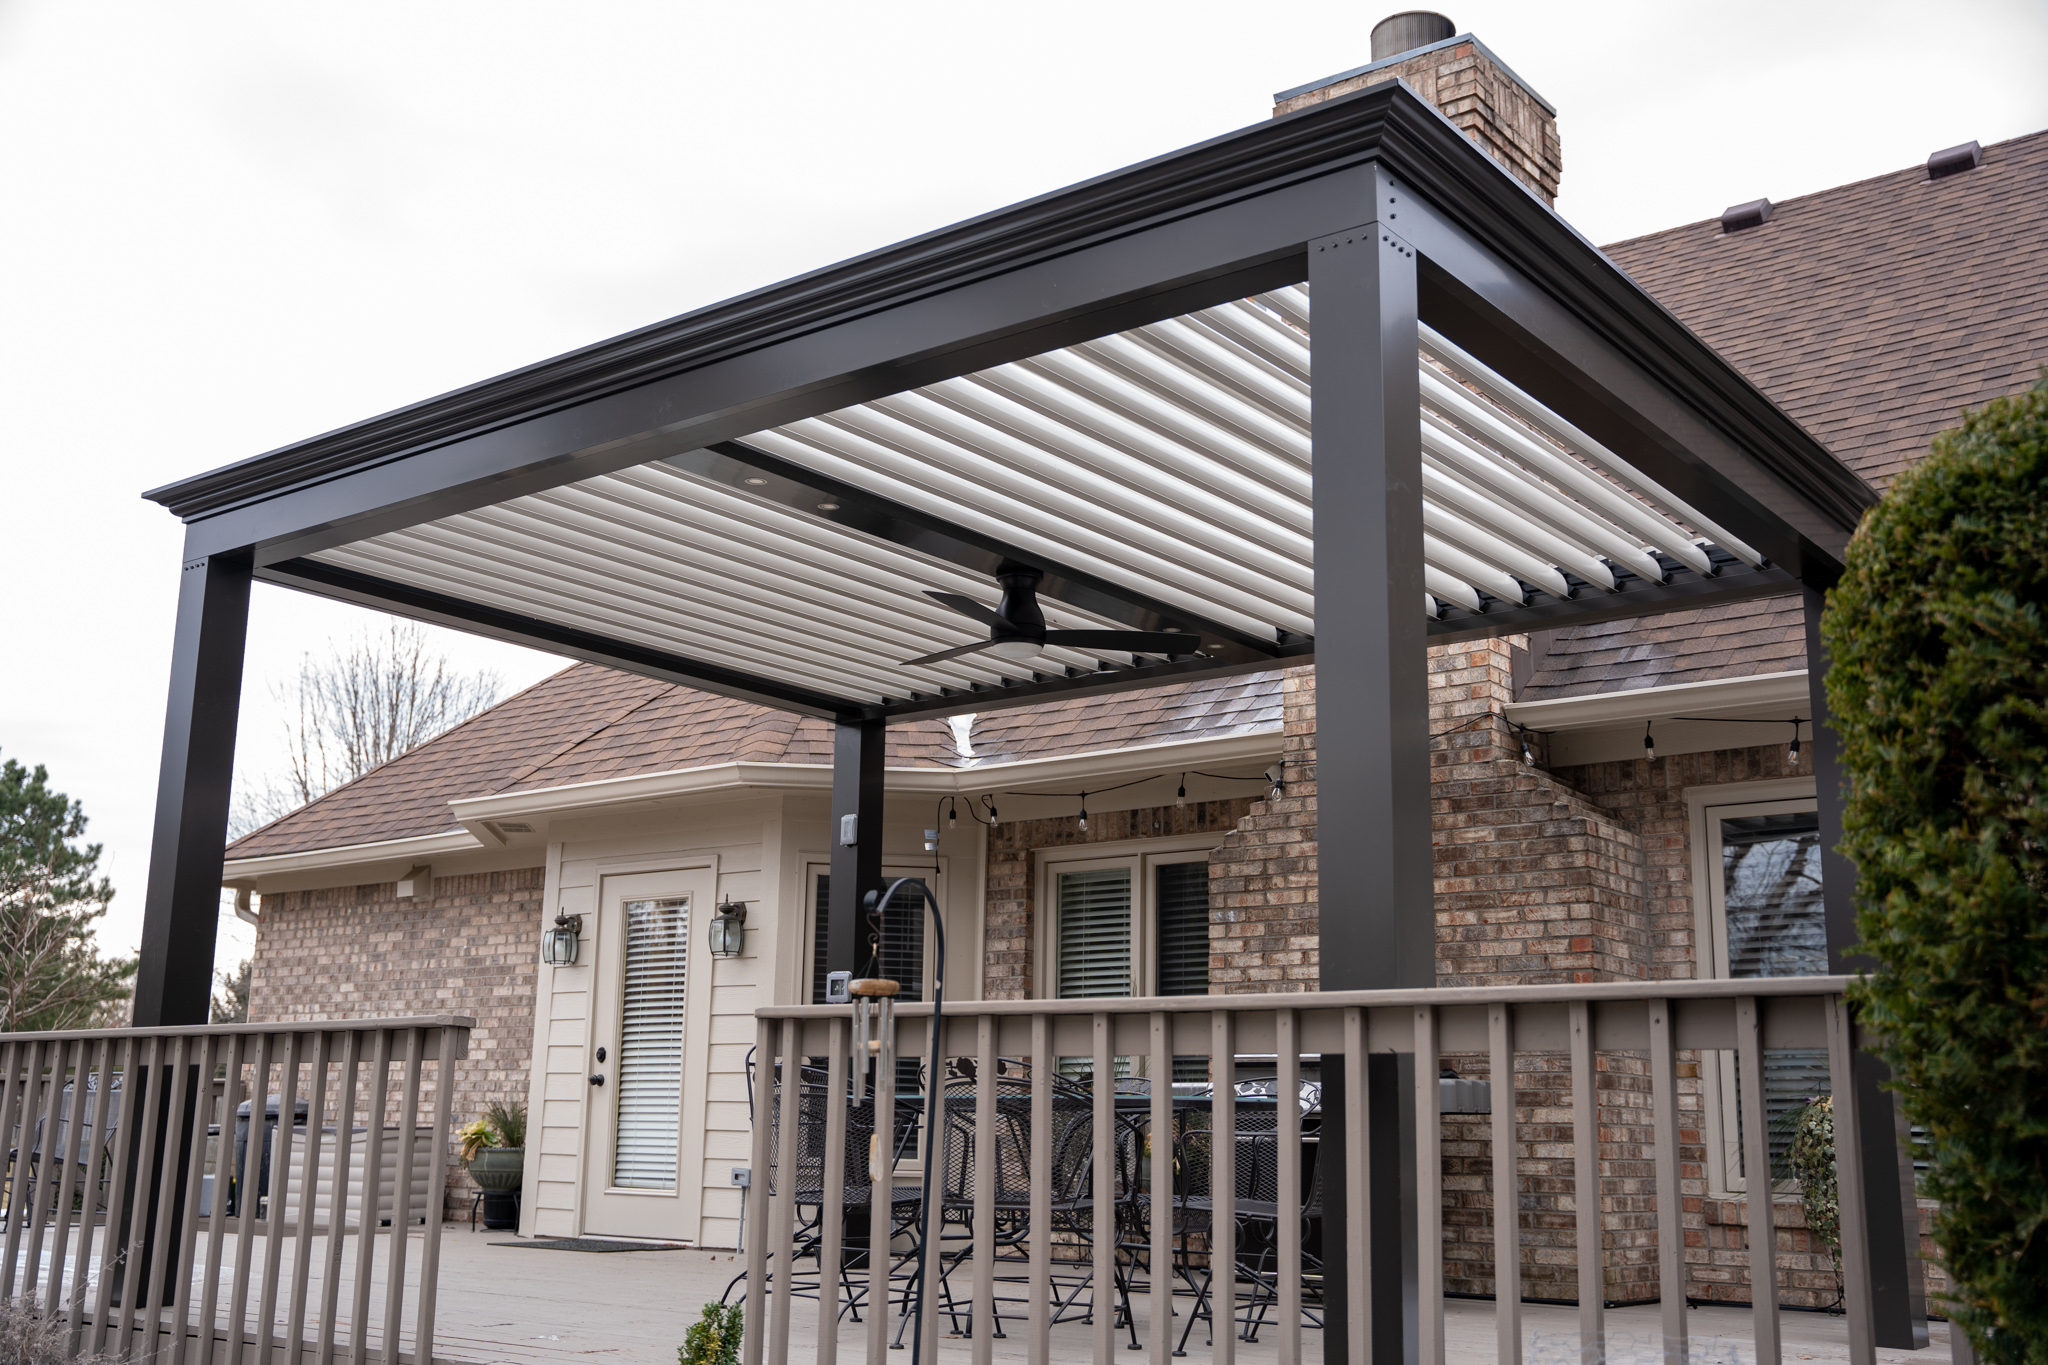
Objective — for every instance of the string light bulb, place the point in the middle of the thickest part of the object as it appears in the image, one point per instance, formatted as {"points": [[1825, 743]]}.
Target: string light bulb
{"points": [[994, 816], [1528, 754], [1649, 743], [1084, 812], [1795, 741], [952, 813], [1275, 775], [1180, 796]]}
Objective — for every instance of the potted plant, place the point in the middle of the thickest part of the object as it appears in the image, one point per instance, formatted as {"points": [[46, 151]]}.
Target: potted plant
{"points": [[494, 1151]]}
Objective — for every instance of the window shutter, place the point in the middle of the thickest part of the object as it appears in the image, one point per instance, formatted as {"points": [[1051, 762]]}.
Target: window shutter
{"points": [[650, 1070], [1095, 933]]}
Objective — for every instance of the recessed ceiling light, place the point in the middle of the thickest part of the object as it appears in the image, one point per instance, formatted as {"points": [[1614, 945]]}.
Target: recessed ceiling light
{"points": [[755, 482], [828, 507]]}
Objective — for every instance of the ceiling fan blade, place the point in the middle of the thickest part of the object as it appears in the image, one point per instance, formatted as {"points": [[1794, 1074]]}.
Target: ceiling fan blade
{"points": [[946, 654], [969, 608], [1128, 641]]}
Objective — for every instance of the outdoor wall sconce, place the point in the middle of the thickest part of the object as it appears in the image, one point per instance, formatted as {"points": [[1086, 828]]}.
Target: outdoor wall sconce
{"points": [[729, 929], [558, 945]]}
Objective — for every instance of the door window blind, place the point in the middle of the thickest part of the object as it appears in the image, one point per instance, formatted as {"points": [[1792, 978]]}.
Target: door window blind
{"points": [[650, 1069], [1181, 905]]}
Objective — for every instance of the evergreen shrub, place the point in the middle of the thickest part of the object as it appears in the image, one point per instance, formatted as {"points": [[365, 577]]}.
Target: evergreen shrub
{"points": [[1938, 641]]}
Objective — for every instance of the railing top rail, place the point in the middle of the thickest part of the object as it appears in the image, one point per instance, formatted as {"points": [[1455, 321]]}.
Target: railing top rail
{"points": [[419, 1021], [1616, 991]]}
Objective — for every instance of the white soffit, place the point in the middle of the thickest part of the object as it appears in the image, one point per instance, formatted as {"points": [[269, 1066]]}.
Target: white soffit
{"points": [[1172, 459]]}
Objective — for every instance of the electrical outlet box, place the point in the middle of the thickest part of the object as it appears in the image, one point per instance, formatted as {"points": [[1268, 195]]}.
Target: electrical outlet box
{"points": [[838, 988], [743, 1176]]}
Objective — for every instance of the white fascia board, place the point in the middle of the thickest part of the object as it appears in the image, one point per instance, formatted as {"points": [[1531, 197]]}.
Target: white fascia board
{"points": [[1730, 697], [477, 814], [245, 872]]}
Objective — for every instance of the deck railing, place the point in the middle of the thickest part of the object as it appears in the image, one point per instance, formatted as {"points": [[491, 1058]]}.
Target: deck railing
{"points": [[237, 1192], [1067, 1132]]}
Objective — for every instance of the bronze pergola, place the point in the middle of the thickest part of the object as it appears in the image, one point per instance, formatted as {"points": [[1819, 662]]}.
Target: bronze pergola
{"points": [[1106, 387]]}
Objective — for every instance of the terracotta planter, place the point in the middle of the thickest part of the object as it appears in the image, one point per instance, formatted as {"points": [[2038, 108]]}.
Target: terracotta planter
{"points": [[498, 1168]]}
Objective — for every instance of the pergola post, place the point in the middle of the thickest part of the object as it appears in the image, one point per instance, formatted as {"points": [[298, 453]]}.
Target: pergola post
{"points": [[1891, 1211], [858, 749], [181, 906], [1375, 878]]}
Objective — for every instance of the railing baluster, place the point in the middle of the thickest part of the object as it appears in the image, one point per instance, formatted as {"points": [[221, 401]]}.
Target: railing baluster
{"points": [[1102, 1210], [1429, 1186], [70, 1148], [1586, 1188], [756, 1197], [82, 1168], [248, 1192], [223, 1191], [1670, 1201], [983, 1322], [933, 1213], [882, 1195], [337, 1195], [832, 1219], [782, 1221], [401, 1197], [1160, 1204], [1858, 1299], [142, 1129], [24, 1065], [303, 1213], [376, 1103], [1223, 1187], [194, 1093], [113, 1240], [437, 1186], [1039, 1312], [42, 1196], [1507, 1189], [75, 1149], [1756, 1172], [278, 1186], [1287, 1208]]}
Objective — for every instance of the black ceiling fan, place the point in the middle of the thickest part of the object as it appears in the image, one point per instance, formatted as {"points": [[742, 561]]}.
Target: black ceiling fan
{"points": [[1016, 627]]}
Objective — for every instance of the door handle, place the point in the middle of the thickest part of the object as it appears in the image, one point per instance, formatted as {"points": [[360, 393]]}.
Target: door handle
{"points": [[597, 1078]]}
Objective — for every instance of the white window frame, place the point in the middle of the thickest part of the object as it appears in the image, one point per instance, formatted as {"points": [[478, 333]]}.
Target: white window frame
{"points": [[1707, 807], [1143, 857]]}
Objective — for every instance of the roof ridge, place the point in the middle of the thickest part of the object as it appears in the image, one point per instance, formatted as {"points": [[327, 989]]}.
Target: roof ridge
{"points": [[661, 689], [1778, 204]]}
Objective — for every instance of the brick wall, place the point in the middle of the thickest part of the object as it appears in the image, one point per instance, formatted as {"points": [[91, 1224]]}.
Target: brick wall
{"points": [[358, 952], [1483, 99]]}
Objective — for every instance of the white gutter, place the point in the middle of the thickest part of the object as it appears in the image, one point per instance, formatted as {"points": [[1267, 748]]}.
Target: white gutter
{"points": [[478, 814], [1734, 698]]}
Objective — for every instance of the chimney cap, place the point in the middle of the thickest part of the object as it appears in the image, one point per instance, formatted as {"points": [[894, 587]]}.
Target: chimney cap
{"points": [[1410, 29], [1954, 160], [1737, 217]]}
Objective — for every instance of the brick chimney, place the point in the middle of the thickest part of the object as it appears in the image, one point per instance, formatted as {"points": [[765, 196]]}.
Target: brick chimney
{"points": [[1475, 90]]}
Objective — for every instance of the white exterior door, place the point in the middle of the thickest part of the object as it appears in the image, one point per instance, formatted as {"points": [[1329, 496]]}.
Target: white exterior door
{"points": [[634, 1180]]}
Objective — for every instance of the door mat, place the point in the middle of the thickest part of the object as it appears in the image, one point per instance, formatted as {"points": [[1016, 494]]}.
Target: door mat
{"points": [[591, 1244]]}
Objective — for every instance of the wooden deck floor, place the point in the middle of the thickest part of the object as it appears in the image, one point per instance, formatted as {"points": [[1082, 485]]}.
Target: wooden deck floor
{"points": [[518, 1305]]}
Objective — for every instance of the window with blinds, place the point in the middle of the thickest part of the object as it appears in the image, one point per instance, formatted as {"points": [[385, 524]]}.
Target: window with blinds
{"points": [[1775, 926], [650, 1067], [1094, 932], [902, 956], [1181, 893]]}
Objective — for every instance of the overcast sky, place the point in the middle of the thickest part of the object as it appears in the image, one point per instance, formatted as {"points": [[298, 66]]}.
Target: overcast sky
{"points": [[232, 226]]}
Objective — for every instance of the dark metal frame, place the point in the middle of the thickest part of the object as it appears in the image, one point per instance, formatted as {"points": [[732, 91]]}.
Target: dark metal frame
{"points": [[1390, 212]]}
